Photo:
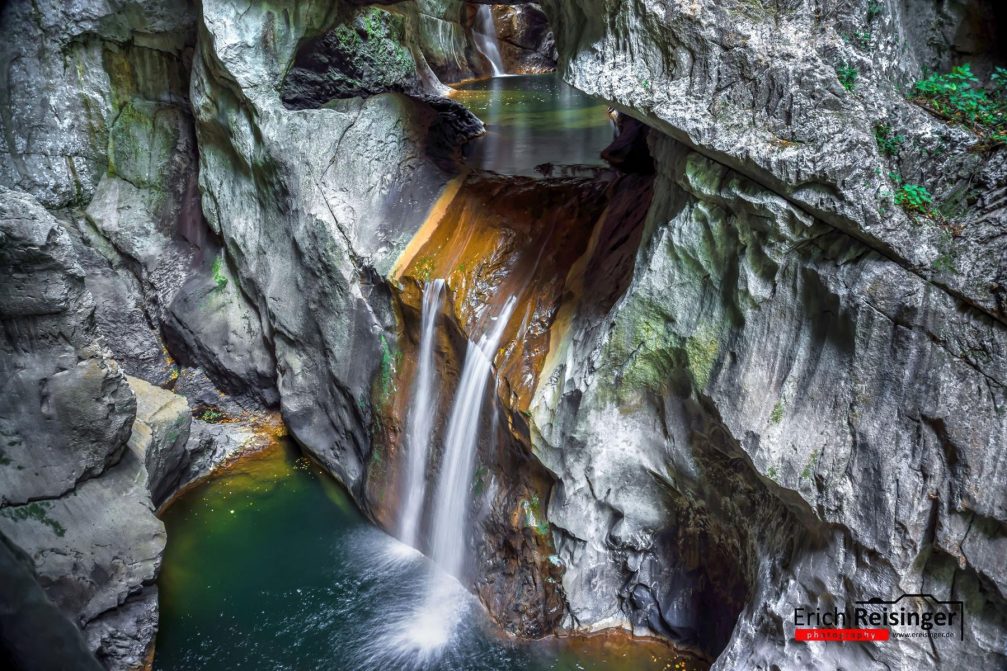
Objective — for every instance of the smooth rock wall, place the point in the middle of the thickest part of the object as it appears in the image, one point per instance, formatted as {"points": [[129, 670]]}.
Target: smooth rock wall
{"points": [[774, 416]]}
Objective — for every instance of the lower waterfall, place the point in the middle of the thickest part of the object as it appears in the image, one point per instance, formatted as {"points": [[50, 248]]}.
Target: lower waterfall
{"points": [[451, 499], [421, 416]]}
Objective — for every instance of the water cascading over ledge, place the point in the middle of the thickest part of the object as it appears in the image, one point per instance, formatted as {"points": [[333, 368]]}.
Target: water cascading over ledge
{"points": [[530, 248], [509, 39]]}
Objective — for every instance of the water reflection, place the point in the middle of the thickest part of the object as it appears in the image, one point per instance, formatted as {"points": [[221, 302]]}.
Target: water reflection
{"points": [[534, 119]]}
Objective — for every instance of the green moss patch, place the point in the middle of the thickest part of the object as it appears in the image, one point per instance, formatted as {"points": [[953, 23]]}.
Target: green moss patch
{"points": [[37, 511]]}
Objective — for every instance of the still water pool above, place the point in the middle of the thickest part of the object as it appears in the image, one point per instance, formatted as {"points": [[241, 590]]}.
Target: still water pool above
{"points": [[269, 566], [531, 120]]}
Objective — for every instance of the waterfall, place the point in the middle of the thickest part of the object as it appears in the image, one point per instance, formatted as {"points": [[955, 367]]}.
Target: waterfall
{"points": [[451, 500], [419, 423], [485, 35]]}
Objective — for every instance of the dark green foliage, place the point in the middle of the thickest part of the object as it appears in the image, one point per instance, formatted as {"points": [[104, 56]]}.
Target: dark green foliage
{"points": [[218, 275], [847, 75], [914, 198], [889, 142], [874, 10], [211, 415], [35, 511], [959, 97]]}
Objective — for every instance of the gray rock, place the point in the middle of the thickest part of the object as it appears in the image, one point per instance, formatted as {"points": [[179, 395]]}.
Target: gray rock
{"points": [[122, 313], [160, 433], [526, 40], [67, 410], [774, 416], [34, 634], [313, 207], [754, 85], [213, 444], [69, 75], [74, 499], [211, 324]]}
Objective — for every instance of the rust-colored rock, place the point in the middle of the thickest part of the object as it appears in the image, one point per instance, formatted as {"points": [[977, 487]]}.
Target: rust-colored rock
{"points": [[556, 244]]}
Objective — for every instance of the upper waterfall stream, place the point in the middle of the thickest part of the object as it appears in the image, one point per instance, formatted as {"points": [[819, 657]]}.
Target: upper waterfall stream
{"points": [[485, 37]]}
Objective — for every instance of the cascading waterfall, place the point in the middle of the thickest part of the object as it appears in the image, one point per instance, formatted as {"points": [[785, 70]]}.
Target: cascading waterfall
{"points": [[485, 35], [451, 499], [420, 639], [421, 416]]}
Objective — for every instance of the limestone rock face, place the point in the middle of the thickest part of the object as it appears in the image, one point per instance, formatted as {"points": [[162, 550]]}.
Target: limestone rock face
{"points": [[76, 78], [35, 634], [774, 415], [97, 123], [67, 410], [756, 86], [797, 398], [74, 499], [445, 39], [160, 433], [527, 43], [213, 326], [313, 205]]}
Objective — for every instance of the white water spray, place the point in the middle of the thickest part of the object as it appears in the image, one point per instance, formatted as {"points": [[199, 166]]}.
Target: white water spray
{"points": [[421, 416], [485, 35]]}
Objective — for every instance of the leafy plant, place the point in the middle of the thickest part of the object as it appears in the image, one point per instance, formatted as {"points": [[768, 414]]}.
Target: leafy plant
{"points": [[889, 142], [959, 97], [211, 415], [874, 10], [218, 273], [776, 416], [914, 198], [847, 75]]}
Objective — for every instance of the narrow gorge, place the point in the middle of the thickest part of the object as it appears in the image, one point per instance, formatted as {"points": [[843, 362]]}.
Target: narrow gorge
{"points": [[504, 336]]}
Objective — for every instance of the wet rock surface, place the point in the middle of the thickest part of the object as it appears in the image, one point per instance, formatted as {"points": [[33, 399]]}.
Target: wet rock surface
{"points": [[755, 383], [752, 372], [756, 86], [35, 634], [526, 40]]}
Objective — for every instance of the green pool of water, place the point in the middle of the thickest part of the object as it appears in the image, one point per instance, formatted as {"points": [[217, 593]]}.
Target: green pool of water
{"points": [[534, 119], [269, 566]]}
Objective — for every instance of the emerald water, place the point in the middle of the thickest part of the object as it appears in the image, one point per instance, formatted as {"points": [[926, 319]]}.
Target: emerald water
{"points": [[531, 120], [269, 566]]}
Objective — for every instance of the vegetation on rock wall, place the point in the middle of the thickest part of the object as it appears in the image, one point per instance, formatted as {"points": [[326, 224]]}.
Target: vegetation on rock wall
{"points": [[959, 97]]}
